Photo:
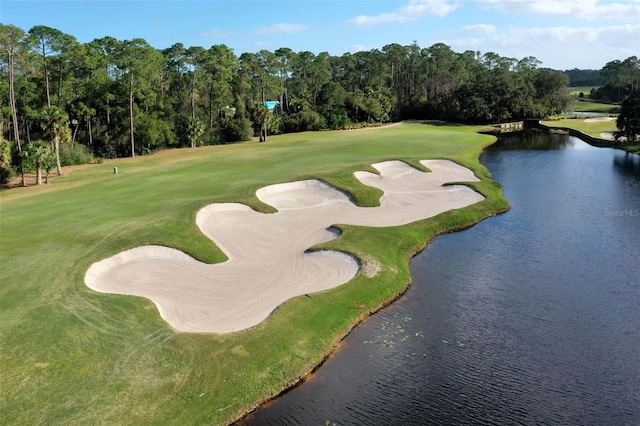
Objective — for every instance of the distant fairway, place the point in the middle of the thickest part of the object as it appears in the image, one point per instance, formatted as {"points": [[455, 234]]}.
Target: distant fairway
{"points": [[585, 90], [593, 128], [70, 355], [588, 106]]}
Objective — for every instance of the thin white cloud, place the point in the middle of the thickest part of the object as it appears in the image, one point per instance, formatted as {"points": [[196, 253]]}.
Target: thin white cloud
{"points": [[358, 48], [480, 29], [412, 11], [558, 47], [283, 28], [569, 37], [581, 9]]}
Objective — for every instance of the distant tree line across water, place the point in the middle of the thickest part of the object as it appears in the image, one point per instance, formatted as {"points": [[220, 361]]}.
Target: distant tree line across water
{"points": [[615, 81], [115, 98]]}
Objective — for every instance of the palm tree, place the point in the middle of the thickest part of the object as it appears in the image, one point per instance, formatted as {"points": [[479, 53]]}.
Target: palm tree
{"points": [[41, 155], [54, 122], [262, 115], [48, 163], [195, 129]]}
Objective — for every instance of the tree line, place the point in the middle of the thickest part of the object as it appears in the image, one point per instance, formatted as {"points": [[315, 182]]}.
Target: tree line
{"points": [[615, 81], [113, 98], [619, 79]]}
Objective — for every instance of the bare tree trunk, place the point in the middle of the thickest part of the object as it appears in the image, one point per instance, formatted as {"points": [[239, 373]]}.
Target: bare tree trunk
{"points": [[14, 115], [193, 96], [38, 173], [211, 106], [46, 75], [60, 80], [133, 147], [27, 124], [160, 92], [73, 139], [90, 135], [56, 140]]}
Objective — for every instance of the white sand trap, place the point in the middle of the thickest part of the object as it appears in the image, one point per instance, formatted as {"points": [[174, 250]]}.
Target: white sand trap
{"points": [[268, 258], [607, 135], [598, 119]]}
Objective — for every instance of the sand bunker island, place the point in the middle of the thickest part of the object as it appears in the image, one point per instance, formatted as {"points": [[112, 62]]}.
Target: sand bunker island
{"points": [[269, 258]]}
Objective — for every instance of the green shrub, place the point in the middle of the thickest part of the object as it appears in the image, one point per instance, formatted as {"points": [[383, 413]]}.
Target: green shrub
{"points": [[237, 129], [78, 154], [212, 137], [5, 174], [303, 121], [340, 121], [5, 160], [275, 125]]}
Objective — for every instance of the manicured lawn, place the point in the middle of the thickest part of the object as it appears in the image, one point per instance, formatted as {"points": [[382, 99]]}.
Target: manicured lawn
{"points": [[594, 129], [70, 355], [586, 90], [591, 128], [588, 106]]}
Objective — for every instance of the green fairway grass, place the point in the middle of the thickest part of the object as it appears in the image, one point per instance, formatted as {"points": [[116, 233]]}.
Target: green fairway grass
{"points": [[585, 90], [588, 106], [73, 356], [592, 129]]}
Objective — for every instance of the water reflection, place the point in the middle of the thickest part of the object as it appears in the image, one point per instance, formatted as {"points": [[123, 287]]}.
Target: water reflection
{"points": [[626, 163], [534, 139]]}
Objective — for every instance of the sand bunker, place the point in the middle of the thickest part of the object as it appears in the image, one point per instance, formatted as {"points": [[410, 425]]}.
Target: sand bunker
{"points": [[269, 261], [598, 119], [607, 135]]}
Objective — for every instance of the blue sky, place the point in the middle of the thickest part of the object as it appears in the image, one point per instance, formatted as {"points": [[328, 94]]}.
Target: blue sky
{"points": [[563, 34]]}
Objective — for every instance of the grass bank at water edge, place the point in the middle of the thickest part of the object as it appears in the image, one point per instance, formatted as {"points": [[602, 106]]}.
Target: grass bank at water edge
{"points": [[72, 356]]}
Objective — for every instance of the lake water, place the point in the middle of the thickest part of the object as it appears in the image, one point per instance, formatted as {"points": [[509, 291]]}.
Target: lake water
{"points": [[587, 113], [530, 317]]}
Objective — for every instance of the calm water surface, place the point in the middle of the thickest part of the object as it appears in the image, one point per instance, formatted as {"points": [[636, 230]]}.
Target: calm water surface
{"points": [[531, 317]]}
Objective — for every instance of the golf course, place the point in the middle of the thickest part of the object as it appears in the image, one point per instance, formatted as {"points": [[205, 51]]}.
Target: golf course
{"points": [[72, 355]]}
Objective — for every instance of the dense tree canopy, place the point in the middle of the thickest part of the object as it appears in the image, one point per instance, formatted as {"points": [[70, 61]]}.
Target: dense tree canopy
{"points": [[126, 97], [579, 77], [619, 78], [628, 121]]}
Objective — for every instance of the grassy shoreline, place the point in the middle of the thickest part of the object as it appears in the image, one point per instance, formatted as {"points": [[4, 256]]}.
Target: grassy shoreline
{"points": [[593, 130], [366, 315], [73, 356]]}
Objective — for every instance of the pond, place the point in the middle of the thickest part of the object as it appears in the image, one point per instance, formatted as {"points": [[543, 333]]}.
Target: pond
{"points": [[530, 317], [588, 113]]}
